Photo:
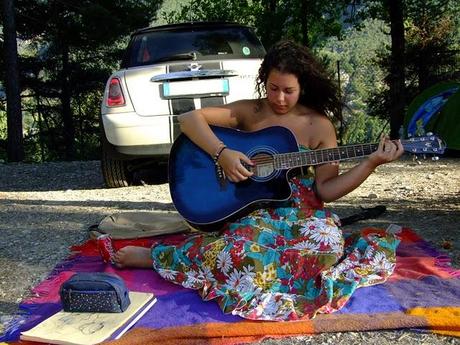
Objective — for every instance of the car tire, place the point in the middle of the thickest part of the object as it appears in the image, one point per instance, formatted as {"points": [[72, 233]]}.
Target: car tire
{"points": [[115, 171]]}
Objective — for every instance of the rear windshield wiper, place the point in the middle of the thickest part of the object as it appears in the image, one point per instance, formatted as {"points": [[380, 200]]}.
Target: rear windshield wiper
{"points": [[181, 56]]}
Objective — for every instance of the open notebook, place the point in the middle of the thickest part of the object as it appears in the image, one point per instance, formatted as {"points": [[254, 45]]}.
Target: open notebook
{"points": [[90, 328]]}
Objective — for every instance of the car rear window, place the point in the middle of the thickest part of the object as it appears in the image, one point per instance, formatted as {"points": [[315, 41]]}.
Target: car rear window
{"points": [[193, 43]]}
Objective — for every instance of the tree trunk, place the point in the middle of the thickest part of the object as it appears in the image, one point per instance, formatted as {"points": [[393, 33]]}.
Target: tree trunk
{"points": [[424, 75], [397, 75], [67, 116], [15, 143], [269, 25], [304, 7], [40, 125]]}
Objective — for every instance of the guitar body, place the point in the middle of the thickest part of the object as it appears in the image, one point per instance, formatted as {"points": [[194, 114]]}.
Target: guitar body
{"points": [[203, 200]]}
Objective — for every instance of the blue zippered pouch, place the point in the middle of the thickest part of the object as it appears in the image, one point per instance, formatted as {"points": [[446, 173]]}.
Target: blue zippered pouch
{"points": [[94, 292]]}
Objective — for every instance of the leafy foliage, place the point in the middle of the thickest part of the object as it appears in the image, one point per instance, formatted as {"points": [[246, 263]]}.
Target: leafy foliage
{"points": [[306, 21], [432, 49], [68, 49], [357, 53], [431, 35], [65, 62]]}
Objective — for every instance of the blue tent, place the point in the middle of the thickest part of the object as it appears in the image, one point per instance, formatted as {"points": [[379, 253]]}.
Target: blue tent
{"points": [[437, 110]]}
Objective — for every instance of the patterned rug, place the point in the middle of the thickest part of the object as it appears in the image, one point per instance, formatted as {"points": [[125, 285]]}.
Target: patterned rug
{"points": [[423, 295]]}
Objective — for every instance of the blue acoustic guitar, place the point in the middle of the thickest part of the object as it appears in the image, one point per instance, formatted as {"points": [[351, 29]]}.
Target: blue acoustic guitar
{"points": [[207, 201]]}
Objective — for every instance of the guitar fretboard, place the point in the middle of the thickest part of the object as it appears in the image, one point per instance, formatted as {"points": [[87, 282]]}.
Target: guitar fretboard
{"points": [[298, 159]]}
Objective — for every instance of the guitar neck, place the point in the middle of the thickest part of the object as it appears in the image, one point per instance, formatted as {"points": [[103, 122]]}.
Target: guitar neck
{"points": [[315, 157]]}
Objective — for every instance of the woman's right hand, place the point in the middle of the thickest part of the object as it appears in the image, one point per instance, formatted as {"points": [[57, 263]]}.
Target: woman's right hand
{"points": [[387, 151], [230, 161]]}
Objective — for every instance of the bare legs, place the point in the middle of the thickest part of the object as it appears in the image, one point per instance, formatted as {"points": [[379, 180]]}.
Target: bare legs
{"points": [[131, 256]]}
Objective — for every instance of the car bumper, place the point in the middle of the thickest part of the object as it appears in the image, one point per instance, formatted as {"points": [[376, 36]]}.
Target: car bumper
{"points": [[140, 135]]}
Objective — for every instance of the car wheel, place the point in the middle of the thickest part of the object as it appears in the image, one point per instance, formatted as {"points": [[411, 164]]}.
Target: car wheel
{"points": [[115, 171]]}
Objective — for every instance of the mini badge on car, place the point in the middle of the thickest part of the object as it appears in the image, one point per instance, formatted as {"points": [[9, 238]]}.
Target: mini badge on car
{"points": [[194, 66]]}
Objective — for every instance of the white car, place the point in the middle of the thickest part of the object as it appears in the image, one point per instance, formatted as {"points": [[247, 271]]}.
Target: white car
{"points": [[168, 70]]}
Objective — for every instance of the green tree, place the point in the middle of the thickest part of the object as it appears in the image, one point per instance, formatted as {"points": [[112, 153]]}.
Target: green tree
{"points": [[72, 53], [15, 146], [306, 21], [357, 51], [432, 35], [423, 51]]}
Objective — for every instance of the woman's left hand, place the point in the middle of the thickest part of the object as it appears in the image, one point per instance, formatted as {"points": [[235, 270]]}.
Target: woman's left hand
{"points": [[387, 151]]}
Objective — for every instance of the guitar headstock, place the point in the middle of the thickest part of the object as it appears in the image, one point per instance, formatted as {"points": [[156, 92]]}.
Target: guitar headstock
{"points": [[428, 144]]}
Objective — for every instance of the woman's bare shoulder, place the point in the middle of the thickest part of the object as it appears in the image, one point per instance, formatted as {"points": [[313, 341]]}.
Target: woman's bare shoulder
{"points": [[315, 118], [246, 111], [246, 106], [326, 131], [322, 121], [227, 115], [322, 131]]}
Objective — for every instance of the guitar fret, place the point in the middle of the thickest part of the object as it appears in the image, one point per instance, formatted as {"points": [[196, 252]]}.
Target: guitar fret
{"points": [[298, 159], [336, 155], [318, 158], [282, 161], [313, 159], [304, 159], [351, 152], [330, 155]]}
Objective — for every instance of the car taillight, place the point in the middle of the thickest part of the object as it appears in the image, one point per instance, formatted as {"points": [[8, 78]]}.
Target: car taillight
{"points": [[115, 96]]}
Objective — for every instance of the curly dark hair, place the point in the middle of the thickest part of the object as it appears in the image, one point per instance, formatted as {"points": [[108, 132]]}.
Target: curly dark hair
{"points": [[318, 91]]}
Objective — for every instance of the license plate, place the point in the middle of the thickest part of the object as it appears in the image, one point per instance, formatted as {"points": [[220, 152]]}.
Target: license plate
{"points": [[195, 88]]}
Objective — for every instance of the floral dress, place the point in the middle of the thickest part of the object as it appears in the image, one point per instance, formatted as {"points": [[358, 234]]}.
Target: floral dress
{"points": [[284, 263]]}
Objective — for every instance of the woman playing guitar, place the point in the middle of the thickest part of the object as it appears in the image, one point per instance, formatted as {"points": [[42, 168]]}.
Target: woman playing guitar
{"points": [[290, 261]]}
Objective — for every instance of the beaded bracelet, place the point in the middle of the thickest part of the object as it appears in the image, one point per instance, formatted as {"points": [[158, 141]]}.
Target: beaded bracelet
{"points": [[217, 155], [219, 146]]}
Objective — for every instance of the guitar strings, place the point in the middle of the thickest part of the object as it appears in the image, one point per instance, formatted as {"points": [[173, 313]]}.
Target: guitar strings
{"points": [[319, 155], [310, 155]]}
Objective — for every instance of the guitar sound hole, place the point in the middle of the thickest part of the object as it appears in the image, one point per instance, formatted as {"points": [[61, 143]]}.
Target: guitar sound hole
{"points": [[264, 165]]}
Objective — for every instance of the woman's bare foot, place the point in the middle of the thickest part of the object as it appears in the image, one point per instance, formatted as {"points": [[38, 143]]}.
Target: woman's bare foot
{"points": [[131, 256]]}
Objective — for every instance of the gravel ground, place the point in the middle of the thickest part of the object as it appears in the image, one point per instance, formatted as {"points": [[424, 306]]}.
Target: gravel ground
{"points": [[45, 208]]}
